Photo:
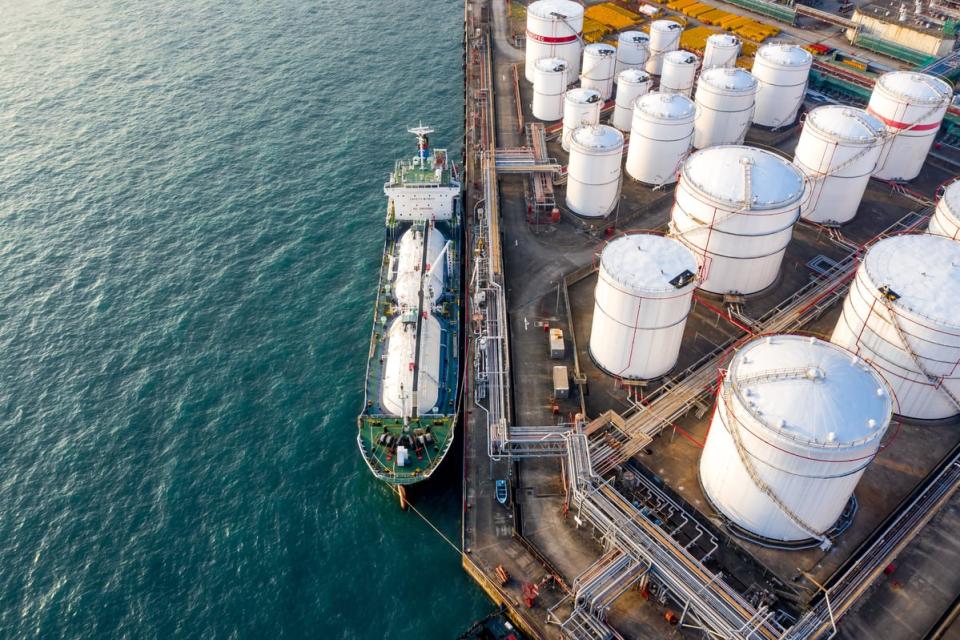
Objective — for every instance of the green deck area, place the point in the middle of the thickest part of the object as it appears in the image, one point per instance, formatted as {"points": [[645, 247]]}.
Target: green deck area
{"points": [[427, 438]]}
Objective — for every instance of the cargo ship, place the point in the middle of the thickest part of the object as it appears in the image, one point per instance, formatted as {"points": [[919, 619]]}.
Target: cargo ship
{"points": [[411, 399]]}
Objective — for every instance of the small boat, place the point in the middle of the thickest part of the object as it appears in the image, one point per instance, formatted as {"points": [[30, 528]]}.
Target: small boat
{"points": [[502, 491]]}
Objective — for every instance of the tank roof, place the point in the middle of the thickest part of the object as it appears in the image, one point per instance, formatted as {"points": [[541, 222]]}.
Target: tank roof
{"points": [[720, 173], [669, 106], [923, 270], [601, 48], [600, 137], [581, 95], [545, 8], [647, 262], [808, 389], [680, 56], [665, 25], [633, 76], [633, 36], [787, 55], [724, 39], [551, 64], [730, 78], [848, 124], [951, 198], [916, 87]]}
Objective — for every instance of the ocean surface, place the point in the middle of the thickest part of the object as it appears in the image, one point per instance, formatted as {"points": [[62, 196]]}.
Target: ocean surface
{"points": [[190, 224]]}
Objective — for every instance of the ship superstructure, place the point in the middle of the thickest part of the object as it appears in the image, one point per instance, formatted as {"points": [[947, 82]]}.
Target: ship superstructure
{"points": [[413, 368]]}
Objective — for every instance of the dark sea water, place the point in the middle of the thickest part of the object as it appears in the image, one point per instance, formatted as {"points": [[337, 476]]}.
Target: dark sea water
{"points": [[190, 220]]}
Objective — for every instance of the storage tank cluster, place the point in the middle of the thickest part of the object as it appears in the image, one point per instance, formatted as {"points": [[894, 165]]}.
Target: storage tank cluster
{"points": [[581, 107], [721, 50], [678, 73], [659, 137], [902, 314], [549, 87], [633, 50], [911, 105], [554, 29], [725, 103], [631, 84], [838, 151], [735, 209], [946, 216], [641, 302], [596, 72], [664, 37], [593, 172], [781, 71], [796, 423]]}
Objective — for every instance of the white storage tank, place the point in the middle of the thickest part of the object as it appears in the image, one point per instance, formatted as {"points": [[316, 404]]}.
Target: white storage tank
{"points": [[796, 423], [659, 137], [664, 37], [398, 377], [902, 314], [554, 29], [593, 172], [549, 87], [599, 59], [725, 104], [782, 71], [837, 152], [408, 279], [735, 208], [631, 84], [581, 107], [912, 106], [644, 290], [679, 72], [946, 217], [722, 50], [633, 50]]}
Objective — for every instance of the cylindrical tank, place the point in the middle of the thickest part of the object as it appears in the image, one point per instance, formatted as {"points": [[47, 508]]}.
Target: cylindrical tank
{"points": [[644, 289], [549, 85], [902, 313], [659, 137], [735, 208], [799, 419], [678, 73], [599, 59], [912, 106], [838, 150], [725, 103], [554, 28], [781, 71], [946, 217], [664, 37], [593, 172], [633, 50], [722, 50], [581, 107], [631, 84]]}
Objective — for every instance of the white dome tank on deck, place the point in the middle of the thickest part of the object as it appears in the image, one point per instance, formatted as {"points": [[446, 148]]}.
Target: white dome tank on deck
{"points": [[782, 71], [633, 50], [725, 104], [902, 314], [659, 137], [549, 87], [946, 217], [912, 106], [593, 173], [599, 60], [631, 84], [581, 107], [664, 37], [722, 50], [554, 28], [735, 209], [837, 152], [407, 267], [644, 290], [679, 72], [398, 374], [799, 419]]}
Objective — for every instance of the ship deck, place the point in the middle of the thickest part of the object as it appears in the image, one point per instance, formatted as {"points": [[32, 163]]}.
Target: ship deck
{"points": [[375, 421]]}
